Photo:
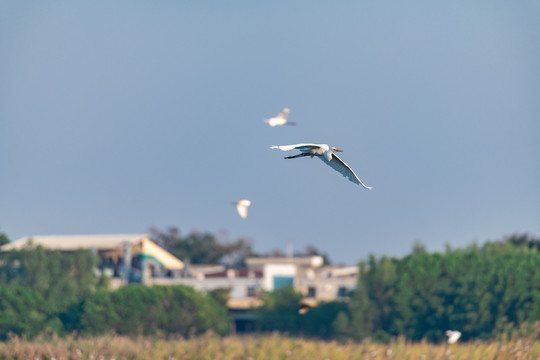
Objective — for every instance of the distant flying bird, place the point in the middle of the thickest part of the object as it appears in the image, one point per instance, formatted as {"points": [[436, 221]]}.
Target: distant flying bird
{"points": [[453, 336], [242, 207], [327, 155], [280, 119]]}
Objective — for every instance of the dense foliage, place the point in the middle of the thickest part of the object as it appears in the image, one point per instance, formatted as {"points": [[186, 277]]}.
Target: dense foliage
{"points": [[280, 312], [4, 239], [478, 290], [60, 278], [137, 309], [22, 311], [47, 289]]}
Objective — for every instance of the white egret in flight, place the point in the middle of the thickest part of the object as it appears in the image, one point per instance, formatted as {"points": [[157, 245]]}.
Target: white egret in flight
{"points": [[453, 336], [280, 119], [242, 207], [327, 155]]}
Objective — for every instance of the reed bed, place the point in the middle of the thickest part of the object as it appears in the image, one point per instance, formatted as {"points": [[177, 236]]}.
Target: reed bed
{"points": [[273, 346]]}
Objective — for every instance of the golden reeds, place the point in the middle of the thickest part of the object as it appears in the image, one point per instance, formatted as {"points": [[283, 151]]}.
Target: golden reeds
{"points": [[272, 346]]}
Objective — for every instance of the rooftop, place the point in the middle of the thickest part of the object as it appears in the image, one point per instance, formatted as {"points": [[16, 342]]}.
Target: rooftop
{"points": [[74, 242], [308, 261]]}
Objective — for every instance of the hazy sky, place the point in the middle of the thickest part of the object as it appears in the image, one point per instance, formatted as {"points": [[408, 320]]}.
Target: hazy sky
{"points": [[116, 116]]}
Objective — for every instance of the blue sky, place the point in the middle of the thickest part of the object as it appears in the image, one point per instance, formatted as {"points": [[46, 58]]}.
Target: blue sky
{"points": [[119, 116]]}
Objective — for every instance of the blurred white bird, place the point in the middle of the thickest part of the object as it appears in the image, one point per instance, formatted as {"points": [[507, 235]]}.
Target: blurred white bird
{"points": [[280, 119], [242, 207], [327, 155], [453, 336]]}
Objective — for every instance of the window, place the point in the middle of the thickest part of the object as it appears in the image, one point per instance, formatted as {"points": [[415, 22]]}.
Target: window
{"points": [[311, 292], [343, 291], [281, 281], [251, 291]]}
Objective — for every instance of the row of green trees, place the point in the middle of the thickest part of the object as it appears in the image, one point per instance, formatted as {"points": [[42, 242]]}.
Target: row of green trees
{"points": [[47, 289], [131, 310], [137, 309], [479, 290], [206, 248]]}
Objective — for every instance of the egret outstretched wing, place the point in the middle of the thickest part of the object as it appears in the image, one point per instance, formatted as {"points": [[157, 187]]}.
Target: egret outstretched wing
{"points": [[340, 166], [301, 147]]}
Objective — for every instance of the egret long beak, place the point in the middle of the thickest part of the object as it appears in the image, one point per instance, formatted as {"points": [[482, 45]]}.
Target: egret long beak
{"points": [[338, 150]]}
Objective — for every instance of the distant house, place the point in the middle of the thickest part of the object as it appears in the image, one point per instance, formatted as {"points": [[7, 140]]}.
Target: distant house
{"points": [[307, 275], [328, 283], [124, 257], [242, 282], [281, 271]]}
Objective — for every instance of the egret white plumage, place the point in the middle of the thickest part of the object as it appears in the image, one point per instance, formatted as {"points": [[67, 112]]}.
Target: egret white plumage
{"points": [[453, 336], [327, 155], [242, 207], [280, 119]]}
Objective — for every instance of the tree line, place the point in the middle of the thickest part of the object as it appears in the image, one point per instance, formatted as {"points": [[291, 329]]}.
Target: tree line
{"points": [[206, 248], [483, 291], [480, 290]]}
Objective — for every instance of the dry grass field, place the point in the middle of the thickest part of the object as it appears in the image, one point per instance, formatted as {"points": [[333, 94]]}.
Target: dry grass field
{"points": [[257, 347]]}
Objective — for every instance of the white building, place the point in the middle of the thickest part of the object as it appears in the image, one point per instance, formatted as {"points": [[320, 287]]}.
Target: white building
{"points": [[307, 275]]}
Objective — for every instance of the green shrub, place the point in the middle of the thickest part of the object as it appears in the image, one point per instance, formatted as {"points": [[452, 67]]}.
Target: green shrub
{"points": [[22, 312], [137, 309]]}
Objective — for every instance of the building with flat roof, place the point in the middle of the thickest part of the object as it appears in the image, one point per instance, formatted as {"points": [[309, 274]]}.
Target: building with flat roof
{"points": [[307, 275]]}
